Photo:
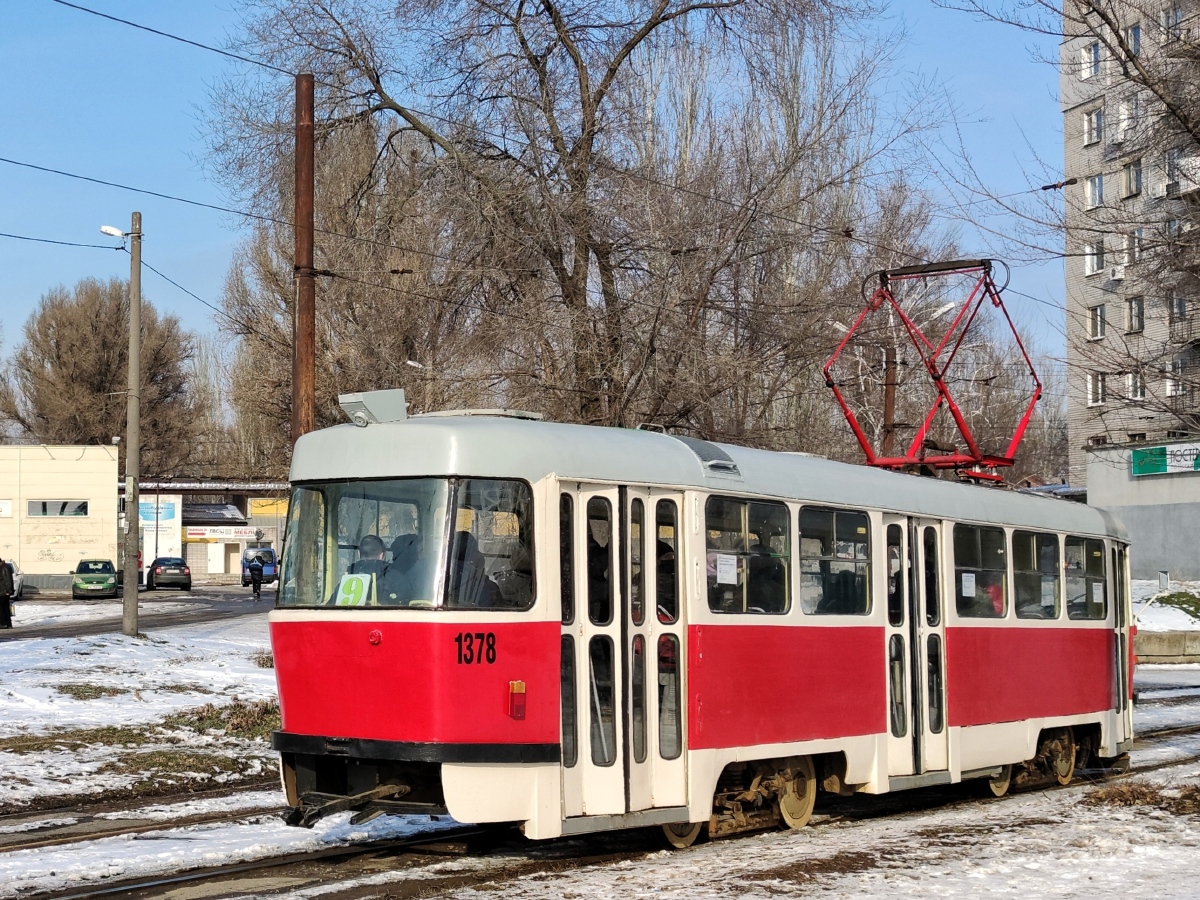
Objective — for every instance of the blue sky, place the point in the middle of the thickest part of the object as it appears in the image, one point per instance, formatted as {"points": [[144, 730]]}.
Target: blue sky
{"points": [[96, 98]]}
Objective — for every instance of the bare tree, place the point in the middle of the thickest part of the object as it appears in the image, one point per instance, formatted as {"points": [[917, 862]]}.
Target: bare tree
{"points": [[612, 214], [67, 380]]}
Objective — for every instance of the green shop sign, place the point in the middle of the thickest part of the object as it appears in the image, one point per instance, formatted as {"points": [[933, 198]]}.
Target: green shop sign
{"points": [[1170, 460]]}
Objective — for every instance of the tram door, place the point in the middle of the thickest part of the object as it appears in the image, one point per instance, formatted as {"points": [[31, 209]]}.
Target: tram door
{"points": [[621, 642], [916, 654]]}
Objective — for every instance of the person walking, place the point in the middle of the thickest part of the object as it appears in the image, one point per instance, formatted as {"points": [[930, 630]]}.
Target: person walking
{"points": [[256, 573], [6, 594]]}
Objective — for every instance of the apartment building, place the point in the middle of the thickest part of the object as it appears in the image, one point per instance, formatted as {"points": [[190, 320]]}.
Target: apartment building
{"points": [[1133, 322]]}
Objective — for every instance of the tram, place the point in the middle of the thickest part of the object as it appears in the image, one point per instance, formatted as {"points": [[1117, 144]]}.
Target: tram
{"points": [[578, 629]]}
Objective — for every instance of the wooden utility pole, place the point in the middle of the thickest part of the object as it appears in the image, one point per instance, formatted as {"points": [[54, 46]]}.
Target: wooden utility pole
{"points": [[304, 334]]}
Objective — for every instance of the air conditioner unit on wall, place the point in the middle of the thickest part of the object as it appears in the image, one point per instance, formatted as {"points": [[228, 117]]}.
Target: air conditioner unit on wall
{"points": [[1158, 191], [1116, 273]]}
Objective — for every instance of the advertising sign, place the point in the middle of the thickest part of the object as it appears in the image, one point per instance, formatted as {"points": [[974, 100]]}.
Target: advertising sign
{"points": [[161, 518], [222, 532], [1172, 459]]}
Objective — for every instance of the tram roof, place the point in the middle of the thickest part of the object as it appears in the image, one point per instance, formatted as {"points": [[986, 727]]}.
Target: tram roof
{"points": [[503, 447]]}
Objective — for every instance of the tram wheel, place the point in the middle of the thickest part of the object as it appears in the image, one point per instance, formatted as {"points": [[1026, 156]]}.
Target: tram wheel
{"points": [[999, 783], [798, 794], [1058, 749], [682, 835]]}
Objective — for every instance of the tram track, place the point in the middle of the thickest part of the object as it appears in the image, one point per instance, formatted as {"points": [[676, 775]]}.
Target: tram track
{"points": [[521, 858], [92, 821]]}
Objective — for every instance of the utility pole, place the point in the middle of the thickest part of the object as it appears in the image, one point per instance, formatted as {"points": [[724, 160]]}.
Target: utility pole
{"points": [[133, 445], [304, 334]]}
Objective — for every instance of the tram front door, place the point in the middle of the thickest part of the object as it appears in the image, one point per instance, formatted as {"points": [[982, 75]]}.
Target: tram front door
{"points": [[916, 647], [622, 649]]}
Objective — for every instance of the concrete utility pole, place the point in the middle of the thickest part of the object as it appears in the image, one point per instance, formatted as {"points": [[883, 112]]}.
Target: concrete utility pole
{"points": [[304, 335], [133, 445]]}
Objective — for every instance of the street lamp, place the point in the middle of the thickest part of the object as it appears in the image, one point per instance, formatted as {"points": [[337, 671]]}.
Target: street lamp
{"points": [[129, 595]]}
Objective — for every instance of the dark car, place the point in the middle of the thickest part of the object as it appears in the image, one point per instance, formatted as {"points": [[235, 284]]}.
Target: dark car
{"points": [[270, 565], [94, 578], [169, 571]]}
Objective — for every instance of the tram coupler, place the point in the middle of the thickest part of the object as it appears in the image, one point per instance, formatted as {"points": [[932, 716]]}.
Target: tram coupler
{"points": [[315, 806]]}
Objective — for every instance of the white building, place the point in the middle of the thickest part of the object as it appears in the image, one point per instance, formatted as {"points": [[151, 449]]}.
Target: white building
{"points": [[58, 505]]}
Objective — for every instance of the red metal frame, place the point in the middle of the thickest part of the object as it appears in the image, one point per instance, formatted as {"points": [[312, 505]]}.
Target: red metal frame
{"points": [[937, 361]]}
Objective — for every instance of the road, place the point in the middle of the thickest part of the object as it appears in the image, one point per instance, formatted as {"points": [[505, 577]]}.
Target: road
{"points": [[202, 604]]}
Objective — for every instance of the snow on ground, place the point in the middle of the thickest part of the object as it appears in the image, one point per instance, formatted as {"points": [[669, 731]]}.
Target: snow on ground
{"points": [[174, 850], [48, 686], [58, 612], [1152, 617]]}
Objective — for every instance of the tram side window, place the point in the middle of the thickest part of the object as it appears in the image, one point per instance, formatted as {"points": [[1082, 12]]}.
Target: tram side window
{"points": [[748, 554], [566, 557], [666, 567], [1036, 575], [1085, 579], [980, 571], [835, 553], [491, 552]]}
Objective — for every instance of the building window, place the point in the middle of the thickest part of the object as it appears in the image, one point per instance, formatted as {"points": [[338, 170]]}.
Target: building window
{"points": [[1178, 435], [1135, 315], [1172, 229], [1178, 309], [1093, 126], [1133, 39], [1094, 191], [1128, 115], [1171, 171], [56, 508], [1093, 257], [1131, 178], [1133, 246], [1097, 440], [1137, 437], [1176, 371], [1172, 21], [1089, 60], [1137, 386], [1096, 322], [1097, 392]]}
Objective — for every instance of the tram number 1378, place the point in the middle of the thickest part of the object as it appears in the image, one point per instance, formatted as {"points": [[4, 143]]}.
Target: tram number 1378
{"points": [[478, 647]]}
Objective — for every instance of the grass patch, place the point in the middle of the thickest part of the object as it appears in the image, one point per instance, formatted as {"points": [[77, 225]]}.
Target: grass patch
{"points": [[252, 721], [264, 659], [183, 689], [1188, 603], [87, 691], [64, 740]]}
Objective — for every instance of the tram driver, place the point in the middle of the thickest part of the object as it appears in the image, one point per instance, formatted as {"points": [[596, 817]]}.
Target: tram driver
{"points": [[370, 556]]}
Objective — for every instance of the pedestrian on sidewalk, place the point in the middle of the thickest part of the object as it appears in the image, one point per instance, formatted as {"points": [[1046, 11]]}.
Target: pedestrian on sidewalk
{"points": [[6, 594], [256, 573]]}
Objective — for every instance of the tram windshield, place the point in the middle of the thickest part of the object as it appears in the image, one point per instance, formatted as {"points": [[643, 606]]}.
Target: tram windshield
{"points": [[448, 543]]}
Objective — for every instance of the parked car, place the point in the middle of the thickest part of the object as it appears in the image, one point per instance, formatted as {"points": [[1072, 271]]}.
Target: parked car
{"points": [[270, 564], [169, 571], [94, 578]]}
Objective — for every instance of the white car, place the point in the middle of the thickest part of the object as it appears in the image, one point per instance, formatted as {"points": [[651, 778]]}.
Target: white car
{"points": [[18, 579]]}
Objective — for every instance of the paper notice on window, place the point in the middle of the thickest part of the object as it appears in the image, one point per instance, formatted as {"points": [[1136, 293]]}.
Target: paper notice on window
{"points": [[1096, 590], [968, 584], [726, 569], [356, 590]]}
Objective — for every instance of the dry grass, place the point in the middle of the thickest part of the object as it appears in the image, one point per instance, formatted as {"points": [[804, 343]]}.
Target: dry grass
{"points": [[1188, 603], [252, 721], [87, 691], [1182, 801], [264, 659], [81, 737]]}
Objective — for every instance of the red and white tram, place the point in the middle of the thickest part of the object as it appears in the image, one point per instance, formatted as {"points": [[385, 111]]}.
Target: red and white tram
{"points": [[579, 629]]}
